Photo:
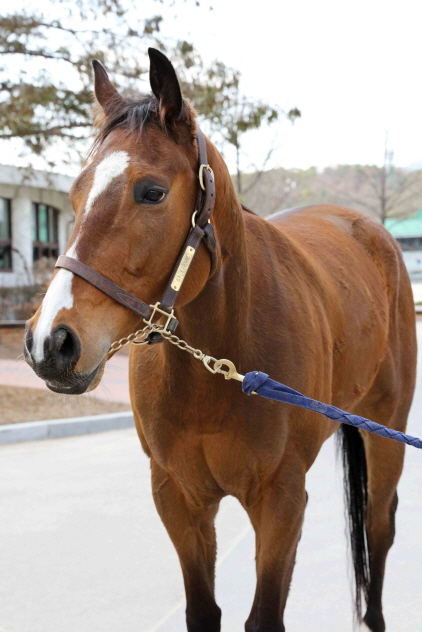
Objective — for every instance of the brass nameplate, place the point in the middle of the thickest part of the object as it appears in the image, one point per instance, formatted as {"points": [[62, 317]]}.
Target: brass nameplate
{"points": [[182, 269]]}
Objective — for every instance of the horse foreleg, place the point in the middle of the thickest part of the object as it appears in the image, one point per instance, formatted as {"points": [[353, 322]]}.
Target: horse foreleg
{"points": [[277, 519], [192, 532]]}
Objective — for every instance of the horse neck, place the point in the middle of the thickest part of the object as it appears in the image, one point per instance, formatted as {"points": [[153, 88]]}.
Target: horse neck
{"points": [[218, 315]]}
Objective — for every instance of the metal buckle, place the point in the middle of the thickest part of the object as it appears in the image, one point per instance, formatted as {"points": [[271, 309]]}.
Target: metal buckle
{"points": [[170, 316], [193, 219], [201, 175]]}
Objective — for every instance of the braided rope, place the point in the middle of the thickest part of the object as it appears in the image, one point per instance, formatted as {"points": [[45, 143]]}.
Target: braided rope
{"points": [[260, 383]]}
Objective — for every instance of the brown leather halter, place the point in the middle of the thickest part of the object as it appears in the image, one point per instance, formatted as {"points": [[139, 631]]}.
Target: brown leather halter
{"points": [[201, 229]]}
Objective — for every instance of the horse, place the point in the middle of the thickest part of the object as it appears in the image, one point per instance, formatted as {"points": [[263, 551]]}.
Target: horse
{"points": [[318, 297]]}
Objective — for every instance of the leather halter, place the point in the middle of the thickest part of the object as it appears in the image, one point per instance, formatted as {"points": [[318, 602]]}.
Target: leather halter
{"points": [[201, 229]]}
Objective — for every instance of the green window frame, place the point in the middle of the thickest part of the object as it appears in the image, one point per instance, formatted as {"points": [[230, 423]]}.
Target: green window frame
{"points": [[45, 229], [6, 264]]}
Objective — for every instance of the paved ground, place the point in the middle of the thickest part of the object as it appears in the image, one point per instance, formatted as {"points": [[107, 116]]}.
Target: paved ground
{"points": [[113, 387], [82, 548]]}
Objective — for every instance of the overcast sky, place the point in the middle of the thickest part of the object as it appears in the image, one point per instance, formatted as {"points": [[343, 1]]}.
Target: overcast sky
{"points": [[353, 69]]}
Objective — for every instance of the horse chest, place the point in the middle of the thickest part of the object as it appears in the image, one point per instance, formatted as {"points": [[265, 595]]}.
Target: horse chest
{"points": [[211, 464]]}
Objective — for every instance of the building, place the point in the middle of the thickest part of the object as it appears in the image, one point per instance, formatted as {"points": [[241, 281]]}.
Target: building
{"points": [[408, 233], [36, 218]]}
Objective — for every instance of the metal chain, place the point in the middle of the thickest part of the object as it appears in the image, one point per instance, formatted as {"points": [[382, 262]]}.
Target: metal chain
{"points": [[225, 367], [139, 338], [131, 338], [181, 344]]}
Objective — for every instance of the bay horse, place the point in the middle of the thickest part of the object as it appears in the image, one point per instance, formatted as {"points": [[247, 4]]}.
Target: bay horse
{"points": [[317, 297]]}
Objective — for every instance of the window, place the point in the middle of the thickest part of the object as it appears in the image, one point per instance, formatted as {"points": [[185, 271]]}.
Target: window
{"points": [[410, 243], [45, 231], [5, 236]]}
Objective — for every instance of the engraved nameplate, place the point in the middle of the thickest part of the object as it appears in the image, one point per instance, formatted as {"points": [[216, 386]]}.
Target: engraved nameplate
{"points": [[183, 268]]}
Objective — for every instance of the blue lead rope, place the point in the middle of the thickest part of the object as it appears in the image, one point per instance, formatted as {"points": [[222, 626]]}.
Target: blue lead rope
{"points": [[260, 383]]}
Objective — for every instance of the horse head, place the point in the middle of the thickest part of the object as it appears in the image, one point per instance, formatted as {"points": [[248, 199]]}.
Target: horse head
{"points": [[133, 204]]}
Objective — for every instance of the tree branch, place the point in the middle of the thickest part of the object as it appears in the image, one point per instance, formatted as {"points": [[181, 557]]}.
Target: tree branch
{"points": [[33, 53], [258, 173], [52, 131]]}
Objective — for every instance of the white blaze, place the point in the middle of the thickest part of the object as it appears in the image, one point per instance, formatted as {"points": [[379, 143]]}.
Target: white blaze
{"points": [[106, 171], [59, 295], [72, 250]]}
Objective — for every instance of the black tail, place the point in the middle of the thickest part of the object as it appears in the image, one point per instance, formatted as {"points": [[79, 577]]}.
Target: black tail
{"points": [[352, 449]]}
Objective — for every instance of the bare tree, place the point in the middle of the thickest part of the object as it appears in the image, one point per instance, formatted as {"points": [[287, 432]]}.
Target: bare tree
{"points": [[267, 192], [46, 98], [382, 192]]}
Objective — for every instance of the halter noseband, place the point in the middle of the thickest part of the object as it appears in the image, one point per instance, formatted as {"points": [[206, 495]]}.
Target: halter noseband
{"points": [[201, 229]]}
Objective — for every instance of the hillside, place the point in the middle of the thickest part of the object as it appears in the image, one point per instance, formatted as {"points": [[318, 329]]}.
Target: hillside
{"points": [[370, 189]]}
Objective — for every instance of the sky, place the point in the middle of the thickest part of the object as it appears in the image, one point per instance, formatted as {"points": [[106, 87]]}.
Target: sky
{"points": [[352, 68]]}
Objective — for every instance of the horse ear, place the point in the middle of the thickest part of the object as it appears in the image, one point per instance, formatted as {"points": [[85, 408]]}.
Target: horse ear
{"points": [[105, 92], [165, 85]]}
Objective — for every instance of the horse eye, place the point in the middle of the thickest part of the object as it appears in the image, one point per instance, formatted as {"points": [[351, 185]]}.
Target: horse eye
{"points": [[154, 195], [146, 191]]}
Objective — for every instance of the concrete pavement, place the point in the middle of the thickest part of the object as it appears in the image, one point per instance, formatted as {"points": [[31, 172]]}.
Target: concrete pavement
{"points": [[82, 548], [60, 428]]}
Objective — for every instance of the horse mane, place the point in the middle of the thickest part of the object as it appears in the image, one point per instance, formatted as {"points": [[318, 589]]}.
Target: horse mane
{"points": [[132, 114]]}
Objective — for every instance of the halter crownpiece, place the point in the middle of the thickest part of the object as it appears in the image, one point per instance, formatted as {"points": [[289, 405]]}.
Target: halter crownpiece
{"points": [[201, 229]]}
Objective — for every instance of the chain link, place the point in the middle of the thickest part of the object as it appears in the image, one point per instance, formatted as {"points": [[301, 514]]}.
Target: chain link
{"points": [[139, 338], [225, 367], [182, 344], [131, 338]]}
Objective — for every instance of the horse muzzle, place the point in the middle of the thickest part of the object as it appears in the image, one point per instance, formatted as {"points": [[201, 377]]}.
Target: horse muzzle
{"points": [[56, 366]]}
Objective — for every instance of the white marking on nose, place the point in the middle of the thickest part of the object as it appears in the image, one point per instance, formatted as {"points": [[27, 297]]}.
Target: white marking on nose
{"points": [[106, 171], [59, 296], [364, 628]]}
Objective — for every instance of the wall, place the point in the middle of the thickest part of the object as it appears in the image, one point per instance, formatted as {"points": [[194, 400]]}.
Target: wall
{"points": [[24, 187], [413, 263]]}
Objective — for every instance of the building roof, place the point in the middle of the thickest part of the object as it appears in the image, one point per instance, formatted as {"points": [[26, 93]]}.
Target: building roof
{"points": [[26, 176], [409, 227]]}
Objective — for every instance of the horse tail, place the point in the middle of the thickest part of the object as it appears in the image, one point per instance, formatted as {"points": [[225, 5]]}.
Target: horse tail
{"points": [[351, 446]]}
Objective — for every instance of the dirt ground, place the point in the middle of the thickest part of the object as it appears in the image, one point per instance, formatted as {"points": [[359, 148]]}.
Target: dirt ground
{"points": [[30, 404], [11, 343]]}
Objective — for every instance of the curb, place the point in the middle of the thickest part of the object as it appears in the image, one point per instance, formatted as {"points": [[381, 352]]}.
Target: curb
{"points": [[59, 428]]}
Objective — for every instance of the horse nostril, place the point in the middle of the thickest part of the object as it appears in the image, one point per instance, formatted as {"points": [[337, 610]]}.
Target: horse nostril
{"points": [[65, 348], [59, 341]]}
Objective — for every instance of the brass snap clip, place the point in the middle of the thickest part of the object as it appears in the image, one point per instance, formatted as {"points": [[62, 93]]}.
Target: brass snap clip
{"points": [[225, 367]]}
